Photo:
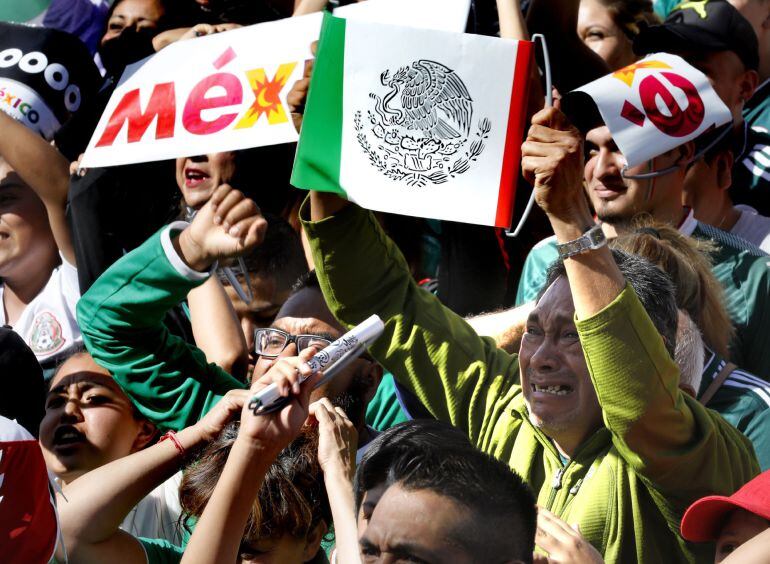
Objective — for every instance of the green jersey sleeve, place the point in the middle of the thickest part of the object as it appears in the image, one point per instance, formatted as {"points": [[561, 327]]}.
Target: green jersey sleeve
{"points": [[120, 316]]}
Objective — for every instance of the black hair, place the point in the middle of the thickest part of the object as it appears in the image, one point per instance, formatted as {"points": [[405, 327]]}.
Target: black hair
{"points": [[75, 350], [503, 517], [291, 500], [308, 281], [652, 286], [177, 13], [80, 349], [419, 435], [280, 256]]}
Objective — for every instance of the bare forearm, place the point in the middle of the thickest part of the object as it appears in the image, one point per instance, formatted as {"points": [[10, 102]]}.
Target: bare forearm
{"points": [[304, 7], [41, 166], [594, 278], [512, 24], [45, 170], [216, 328], [340, 491], [96, 503], [218, 533]]}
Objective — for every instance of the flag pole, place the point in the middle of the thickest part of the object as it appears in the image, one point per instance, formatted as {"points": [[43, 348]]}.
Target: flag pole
{"points": [[548, 104]]}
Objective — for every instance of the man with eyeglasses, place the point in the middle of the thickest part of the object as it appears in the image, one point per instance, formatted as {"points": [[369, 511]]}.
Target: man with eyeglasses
{"points": [[170, 381]]}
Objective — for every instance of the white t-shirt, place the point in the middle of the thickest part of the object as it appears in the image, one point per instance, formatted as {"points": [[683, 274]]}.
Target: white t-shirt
{"points": [[48, 324], [157, 515], [753, 227]]}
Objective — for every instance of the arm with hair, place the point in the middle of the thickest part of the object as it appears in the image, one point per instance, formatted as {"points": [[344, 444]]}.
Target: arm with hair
{"points": [[121, 318], [460, 377], [506, 327], [46, 171], [216, 328], [93, 506]]}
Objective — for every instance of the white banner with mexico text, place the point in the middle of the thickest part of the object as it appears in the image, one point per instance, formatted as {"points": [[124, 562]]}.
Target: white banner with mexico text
{"points": [[228, 91], [216, 93]]}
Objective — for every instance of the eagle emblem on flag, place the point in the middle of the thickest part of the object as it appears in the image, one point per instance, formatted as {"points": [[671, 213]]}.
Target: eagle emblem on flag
{"points": [[420, 130]]}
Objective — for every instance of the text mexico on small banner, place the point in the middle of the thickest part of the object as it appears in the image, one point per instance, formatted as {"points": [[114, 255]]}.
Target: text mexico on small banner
{"points": [[416, 122], [216, 93]]}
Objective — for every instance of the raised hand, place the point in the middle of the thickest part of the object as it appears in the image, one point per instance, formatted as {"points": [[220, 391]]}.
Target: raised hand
{"points": [[228, 225], [273, 432], [552, 161], [337, 439], [564, 544], [209, 427], [297, 96]]}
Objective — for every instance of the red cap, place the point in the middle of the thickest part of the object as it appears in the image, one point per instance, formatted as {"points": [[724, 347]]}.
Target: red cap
{"points": [[704, 519]]}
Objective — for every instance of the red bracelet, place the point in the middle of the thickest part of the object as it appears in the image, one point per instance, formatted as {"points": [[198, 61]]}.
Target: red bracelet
{"points": [[172, 435]]}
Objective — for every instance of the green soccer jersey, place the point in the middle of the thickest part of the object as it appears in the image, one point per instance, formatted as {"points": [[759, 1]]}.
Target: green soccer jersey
{"points": [[751, 170], [744, 401], [741, 268]]}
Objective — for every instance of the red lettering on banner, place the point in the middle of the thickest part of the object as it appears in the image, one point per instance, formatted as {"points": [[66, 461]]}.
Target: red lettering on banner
{"points": [[681, 122], [198, 101], [162, 105], [632, 114]]}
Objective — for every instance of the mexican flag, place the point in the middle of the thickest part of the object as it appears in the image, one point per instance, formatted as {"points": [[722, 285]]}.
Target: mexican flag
{"points": [[416, 122]]}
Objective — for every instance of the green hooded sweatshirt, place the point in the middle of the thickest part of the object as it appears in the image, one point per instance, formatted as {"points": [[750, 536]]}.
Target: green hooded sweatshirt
{"points": [[628, 485]]}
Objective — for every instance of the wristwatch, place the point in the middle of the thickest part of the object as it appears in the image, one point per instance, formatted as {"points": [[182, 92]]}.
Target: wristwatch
{"points": [[590, 240]]}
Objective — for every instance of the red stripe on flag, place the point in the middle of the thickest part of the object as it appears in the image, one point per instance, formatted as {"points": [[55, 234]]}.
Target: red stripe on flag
{"points": [[512, 154]]}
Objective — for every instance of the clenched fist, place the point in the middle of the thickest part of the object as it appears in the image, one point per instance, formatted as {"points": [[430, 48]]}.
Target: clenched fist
{"points": [[552, 161], [229, 225]]}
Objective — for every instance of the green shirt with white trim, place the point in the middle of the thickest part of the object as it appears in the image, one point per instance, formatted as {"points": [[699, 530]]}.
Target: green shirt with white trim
{"points": [[743, 400], [751, 169]]}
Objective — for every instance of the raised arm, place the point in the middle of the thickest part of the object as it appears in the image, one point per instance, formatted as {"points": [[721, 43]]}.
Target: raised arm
{"points": [[460, 377], [337, 442], [662, 433], [92, 507], [121, 315], [45, 170], [552, 160], [216, 328], [218, 532], [512, 24]]}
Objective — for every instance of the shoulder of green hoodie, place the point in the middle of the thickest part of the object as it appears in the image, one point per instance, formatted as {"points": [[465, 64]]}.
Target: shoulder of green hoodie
{"points": [[121, 317]]}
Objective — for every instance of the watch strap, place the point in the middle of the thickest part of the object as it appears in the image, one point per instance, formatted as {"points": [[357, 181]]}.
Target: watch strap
{"points": [[592, 239]]}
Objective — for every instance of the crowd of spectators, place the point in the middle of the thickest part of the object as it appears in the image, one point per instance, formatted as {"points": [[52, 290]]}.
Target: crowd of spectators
{"points": [[525, 402]]}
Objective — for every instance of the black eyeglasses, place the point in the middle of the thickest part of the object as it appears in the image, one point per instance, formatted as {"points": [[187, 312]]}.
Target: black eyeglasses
{"points": [[271, 342]]}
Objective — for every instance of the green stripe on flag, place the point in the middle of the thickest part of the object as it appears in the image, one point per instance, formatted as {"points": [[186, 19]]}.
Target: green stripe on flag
{"points": [[319, 151]]}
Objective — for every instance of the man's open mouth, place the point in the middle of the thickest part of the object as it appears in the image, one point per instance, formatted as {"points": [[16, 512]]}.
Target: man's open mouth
{"points": [[556, 390]]}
